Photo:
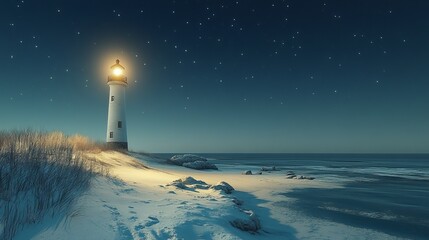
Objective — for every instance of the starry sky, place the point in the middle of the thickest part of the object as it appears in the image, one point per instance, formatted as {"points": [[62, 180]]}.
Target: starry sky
{"points": [[216, 76]]}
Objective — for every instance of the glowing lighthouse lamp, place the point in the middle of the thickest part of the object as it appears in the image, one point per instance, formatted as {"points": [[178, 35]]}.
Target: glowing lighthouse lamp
{"points": [[116, 121]]}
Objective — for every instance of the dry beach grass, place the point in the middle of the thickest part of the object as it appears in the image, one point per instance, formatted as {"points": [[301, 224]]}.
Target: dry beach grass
{"points": [[41, 174]]}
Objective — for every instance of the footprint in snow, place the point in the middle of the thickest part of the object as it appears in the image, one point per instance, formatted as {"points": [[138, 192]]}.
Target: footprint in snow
{"points": [[118, 182], [127, 190], [138, 227], [123, 231], [162, 234], [152, 221]]}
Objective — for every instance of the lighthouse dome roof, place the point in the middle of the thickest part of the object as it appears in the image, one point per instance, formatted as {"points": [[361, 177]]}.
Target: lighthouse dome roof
{"points": [[117, 65]]}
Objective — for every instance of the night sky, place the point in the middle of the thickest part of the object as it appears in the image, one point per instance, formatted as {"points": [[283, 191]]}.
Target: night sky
{"points": [[223, 76]]}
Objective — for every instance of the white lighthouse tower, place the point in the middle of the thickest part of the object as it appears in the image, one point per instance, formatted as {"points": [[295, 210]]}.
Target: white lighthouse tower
{"points": [[116, 121]]}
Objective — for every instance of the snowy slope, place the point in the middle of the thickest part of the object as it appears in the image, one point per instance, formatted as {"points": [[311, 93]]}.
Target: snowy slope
{"points": [[137, 203]]}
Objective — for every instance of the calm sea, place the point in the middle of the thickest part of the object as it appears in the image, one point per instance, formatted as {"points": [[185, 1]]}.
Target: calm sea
{"points": [[383, 192]]}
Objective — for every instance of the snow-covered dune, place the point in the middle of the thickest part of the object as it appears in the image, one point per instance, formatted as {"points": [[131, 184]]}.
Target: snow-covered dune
{"points": [[138, 202]]}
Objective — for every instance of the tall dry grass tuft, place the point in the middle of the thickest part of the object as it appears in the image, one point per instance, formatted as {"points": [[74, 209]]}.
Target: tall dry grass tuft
{"points": [[40, 173], [82, 143]]}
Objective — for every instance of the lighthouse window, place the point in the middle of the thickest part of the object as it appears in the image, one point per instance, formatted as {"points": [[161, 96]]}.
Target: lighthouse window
{"points": [[119, 124], [111, 134], [112, 98]]}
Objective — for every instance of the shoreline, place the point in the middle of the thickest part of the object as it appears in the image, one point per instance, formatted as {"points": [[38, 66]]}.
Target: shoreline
{"points": [[138, 203]]}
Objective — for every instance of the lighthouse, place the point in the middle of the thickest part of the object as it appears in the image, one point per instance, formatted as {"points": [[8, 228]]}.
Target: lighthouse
{"points": [[116, 120]]}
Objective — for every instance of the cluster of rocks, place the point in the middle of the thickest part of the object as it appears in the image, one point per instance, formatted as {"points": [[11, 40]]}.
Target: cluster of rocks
{"points": [[269, 169], [223, 186], [263, 169], [190, 183], [249, 172], [292, 175], [248, 221], [192, 161]]}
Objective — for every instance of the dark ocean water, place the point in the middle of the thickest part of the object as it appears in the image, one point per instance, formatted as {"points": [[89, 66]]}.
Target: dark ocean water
{"points": [[383, 192]]}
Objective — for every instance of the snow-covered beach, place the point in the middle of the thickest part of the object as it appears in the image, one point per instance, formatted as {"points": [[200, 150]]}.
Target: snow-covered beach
{"points": [[139, 201], [138, 204]]}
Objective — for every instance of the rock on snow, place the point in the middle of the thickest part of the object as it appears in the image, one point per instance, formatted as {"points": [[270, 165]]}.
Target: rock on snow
{"points": [[292, 175], [265, 169], [252, 224], [200, 165], [223, 186], [192, 161], [186, 158], [190, 183]]}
